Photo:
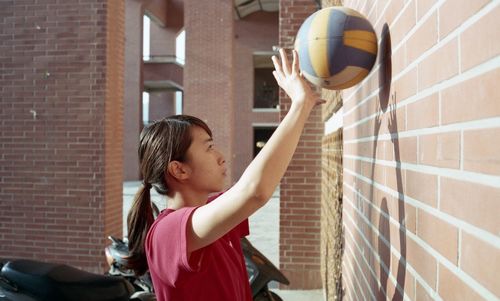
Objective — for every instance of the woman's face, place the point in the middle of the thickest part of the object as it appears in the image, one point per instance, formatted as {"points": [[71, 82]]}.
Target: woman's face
{"points": [[206, 164]]}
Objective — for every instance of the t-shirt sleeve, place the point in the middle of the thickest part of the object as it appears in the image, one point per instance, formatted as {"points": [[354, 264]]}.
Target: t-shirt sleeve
{"points": [[242, 230], [169, 248]]}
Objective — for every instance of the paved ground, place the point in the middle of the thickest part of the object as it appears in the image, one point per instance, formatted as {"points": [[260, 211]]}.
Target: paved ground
{"points": [[264, 235]]}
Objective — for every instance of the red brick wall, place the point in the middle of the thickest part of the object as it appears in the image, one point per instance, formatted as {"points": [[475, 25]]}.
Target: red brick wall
{"points": [[422, 175], [331, 215], [132, 109], [113, 118], [60, 171], [300, 207], [209, 69]]}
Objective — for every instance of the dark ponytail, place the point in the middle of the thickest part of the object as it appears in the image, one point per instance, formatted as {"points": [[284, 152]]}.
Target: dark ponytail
{"points": [[139, 220], [160, 143]]}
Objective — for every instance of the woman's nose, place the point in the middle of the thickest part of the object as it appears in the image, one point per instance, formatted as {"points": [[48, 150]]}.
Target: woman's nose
{"points": [[221, 158]]}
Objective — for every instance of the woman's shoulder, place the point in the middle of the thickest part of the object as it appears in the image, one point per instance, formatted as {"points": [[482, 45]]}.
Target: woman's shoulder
{"points": [[172, 215]]}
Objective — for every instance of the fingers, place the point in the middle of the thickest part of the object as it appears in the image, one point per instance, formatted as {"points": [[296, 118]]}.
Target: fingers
{"points": [[320, 101], [278, 72], [284, 62], [277, 77], [295, 63]]}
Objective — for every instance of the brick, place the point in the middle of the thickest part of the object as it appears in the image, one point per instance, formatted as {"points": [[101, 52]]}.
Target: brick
{"points": [[374, 172], [480, 154], [355, 271], [480, 260], [454, 12], [441, 150], [465, 102], [392, 293], [473, 203], [361, 112], [393, 121], [446, 57], [406, 86], [363, 268], [479, 42], [422, 262], [410, 217], [415, 181], [440, 235], [404, 24], [423, 6], [423, 39], [395, 178], [453, 288], [421, 293], [424, 113], [405, 279], [398, 60], [402, 150], [392, 10], [398, 236]]}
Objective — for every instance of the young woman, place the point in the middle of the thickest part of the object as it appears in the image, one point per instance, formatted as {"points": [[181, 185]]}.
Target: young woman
{"points": [[192, 249]]}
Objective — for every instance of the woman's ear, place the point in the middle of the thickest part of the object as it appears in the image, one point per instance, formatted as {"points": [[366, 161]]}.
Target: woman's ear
{"points": [[177, 170]]}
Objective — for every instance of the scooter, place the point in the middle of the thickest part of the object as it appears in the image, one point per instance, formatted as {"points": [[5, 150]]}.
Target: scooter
{"points": [[260, 270], [116, 255], [29, 280]]}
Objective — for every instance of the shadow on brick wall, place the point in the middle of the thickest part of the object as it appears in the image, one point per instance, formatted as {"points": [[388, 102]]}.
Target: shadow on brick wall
{"points": [[384, 239], [385, 71], [401, 274]]}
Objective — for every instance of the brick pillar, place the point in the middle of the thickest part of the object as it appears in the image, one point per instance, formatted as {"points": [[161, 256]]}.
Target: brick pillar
{"points": [[300, 207], [61, 87], [208, 73], [113, 119], [132, 110]]}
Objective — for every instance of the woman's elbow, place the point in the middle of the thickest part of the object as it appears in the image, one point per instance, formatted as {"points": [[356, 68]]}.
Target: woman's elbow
{"points": [[261, 194], [256, 193]]}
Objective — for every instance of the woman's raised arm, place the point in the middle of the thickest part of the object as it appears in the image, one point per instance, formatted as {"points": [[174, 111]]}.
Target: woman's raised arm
{"points": [[260, 179]]}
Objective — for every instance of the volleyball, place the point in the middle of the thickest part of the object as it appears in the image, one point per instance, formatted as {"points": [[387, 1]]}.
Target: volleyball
{"points": [[337, 48]]}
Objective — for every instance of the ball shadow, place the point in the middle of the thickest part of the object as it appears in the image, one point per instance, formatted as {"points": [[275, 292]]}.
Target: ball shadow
{"points": [[385, 70]]}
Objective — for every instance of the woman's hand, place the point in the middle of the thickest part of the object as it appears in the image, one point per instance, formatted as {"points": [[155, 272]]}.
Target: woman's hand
{"points": [[290, 79]]}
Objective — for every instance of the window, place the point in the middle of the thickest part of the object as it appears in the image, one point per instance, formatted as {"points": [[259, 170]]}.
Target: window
{"points": [[260, 137], [180, 47], [145, 108], [178, 102], [266, 90]]}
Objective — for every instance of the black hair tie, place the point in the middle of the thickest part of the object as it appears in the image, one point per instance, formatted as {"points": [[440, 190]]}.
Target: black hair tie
{"points": [[147, 185]]}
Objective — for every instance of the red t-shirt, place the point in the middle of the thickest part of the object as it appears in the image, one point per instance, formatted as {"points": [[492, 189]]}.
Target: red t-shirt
{"points": [[216, 272]]}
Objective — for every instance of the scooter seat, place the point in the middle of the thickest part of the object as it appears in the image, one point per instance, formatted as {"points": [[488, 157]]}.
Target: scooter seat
{"points": [[49, 281]]}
